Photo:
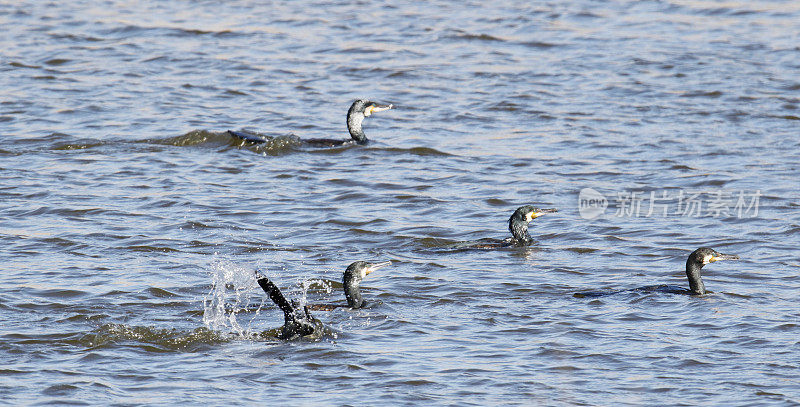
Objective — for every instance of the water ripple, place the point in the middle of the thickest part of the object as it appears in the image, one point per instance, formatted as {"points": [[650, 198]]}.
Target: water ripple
{"points": [[131, 223]]}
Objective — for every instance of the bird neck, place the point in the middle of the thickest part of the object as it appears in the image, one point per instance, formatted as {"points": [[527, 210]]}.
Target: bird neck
{"points": [[354, 121], [353, 294], [519, 229], [696, 285]]}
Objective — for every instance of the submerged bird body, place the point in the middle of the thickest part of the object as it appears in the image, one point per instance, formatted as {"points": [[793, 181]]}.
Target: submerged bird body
{"points": [[694, 263], [359, 110], [518, 226]]}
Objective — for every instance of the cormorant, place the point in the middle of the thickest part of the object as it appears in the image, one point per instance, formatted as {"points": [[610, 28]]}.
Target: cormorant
{"points": [[298, 322], [351, 279], [355, 116], [694, 263], [518, 226]]}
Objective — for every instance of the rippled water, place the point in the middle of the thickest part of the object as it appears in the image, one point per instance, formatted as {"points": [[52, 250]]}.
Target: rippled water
{"points": [[130, 224]]}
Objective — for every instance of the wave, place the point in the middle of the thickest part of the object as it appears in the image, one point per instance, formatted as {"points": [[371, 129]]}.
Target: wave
{"points": [[154, 339], [418, 151], [273, 145]]}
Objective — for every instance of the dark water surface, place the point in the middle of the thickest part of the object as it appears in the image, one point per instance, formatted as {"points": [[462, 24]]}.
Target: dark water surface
{"points": [[130, 224]]}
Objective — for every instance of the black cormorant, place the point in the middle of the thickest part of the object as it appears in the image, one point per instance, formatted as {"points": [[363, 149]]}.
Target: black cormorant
{"points": [[518, 226], [297, 321], [694, 263], [351, 279], [355, 116]]}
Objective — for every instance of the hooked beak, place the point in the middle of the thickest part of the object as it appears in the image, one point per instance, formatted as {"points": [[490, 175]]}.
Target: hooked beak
{"points": [[541, 212], [374, 266], [376, 108], [720, 256]]}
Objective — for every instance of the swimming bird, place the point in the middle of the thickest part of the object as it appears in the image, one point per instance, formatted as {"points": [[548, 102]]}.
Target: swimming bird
{"points": [[359, 110], [518, 226], [298, 322], [351, 279], [694, 263]]}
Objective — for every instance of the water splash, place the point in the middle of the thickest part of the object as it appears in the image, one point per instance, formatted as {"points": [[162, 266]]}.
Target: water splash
{"points": [[231, 289], [229, 305]]}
